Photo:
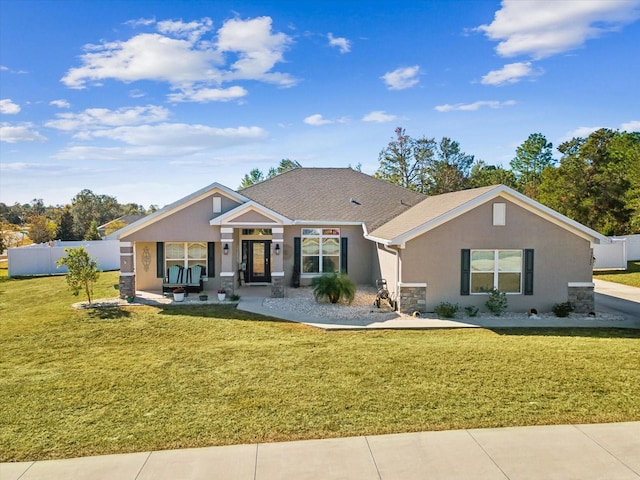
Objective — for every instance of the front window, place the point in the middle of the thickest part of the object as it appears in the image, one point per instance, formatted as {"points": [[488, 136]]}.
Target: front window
{"points": [[320, 250], [186, 254], [501, 269]]}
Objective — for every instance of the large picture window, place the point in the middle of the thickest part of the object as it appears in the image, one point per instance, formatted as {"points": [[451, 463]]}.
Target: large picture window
{"points": [[320, 250], [186, 254], [501, 269]]}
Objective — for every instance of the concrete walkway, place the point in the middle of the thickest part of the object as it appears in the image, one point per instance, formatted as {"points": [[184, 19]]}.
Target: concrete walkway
{"points": [[621, 301], [562, 452]]}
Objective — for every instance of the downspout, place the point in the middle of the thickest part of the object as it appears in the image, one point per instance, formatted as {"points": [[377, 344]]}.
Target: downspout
{"points": [[397, 279]]}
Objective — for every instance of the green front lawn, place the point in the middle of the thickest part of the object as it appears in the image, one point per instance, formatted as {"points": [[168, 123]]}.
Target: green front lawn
{"points": [[631, 276], [89, 382]]}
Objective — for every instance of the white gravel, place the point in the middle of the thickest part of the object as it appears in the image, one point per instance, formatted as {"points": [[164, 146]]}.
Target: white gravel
{"points": [[301, 300]]}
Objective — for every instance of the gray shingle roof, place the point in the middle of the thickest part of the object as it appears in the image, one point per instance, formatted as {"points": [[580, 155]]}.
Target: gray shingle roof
{"points": [[325, 194], [429, 209]]}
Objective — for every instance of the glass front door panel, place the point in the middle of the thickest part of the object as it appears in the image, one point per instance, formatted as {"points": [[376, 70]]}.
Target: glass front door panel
{"points": [[258, 258]]}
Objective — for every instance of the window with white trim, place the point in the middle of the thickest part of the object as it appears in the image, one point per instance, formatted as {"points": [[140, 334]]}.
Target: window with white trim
{"points": [[501, 269], [186, 254], [320, 250]]}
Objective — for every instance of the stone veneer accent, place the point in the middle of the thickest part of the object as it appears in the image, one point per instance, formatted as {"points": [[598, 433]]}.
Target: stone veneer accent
{"points": [[228, 283], [127, 285], [582, 297], [412, 298], [277, 287]]}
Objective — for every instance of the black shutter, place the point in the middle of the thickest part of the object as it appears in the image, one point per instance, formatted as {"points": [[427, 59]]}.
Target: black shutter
{"points": [[211, 260], [528, 271], [344, 241], [297, 253], [160, 260], [465, 271]]}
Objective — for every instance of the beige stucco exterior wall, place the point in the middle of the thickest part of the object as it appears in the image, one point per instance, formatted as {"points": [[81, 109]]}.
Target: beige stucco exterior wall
{"points": [[560, 256], [361, 252], [146, 279], [388, 268], [190, 224]]}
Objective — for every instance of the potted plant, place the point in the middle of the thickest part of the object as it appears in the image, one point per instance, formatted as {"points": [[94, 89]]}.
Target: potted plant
{"points": [[130, 298], [178, 294], [222, 293], [203, 297]]}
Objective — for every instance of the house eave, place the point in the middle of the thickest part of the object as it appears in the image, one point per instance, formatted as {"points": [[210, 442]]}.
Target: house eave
{"points": [[175, 207], [516, 198], [227, 217]]}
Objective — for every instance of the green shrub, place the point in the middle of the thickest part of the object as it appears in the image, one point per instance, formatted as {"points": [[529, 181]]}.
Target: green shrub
{"points": [[82, 270], [497, 303], [446, 310], [562, 309], [333, 287], [471, 310]]}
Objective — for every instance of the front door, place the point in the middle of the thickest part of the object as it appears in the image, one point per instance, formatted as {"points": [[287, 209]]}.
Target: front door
{"points": [[258, 258]]}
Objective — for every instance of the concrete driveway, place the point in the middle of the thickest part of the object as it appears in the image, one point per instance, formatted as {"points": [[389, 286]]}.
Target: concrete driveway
{"points": [[618, 299]]}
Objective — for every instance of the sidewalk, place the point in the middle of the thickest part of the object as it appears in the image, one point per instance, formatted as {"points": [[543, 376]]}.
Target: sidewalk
{"points": [[617, 319], [562, 452]]}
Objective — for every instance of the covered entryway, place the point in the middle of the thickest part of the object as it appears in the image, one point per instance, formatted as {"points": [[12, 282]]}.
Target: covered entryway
{"points": [[257, 256]]}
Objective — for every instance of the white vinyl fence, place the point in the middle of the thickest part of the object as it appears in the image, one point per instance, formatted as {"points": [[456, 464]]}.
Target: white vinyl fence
{"points": [[633, 247], [616, 254], [41, 259]]}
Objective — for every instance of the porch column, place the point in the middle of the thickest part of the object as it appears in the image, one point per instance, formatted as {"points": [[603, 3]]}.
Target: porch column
{"points": [[227, 270], [277, 262], [412, 297], [582, 296], [127, 283]]}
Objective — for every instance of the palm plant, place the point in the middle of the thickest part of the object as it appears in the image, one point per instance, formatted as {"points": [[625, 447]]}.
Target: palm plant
{"points": [[333, 287]]}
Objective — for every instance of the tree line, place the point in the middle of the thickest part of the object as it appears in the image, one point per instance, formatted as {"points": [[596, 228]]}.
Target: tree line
{"points": [[596, 180], [78, 220]]}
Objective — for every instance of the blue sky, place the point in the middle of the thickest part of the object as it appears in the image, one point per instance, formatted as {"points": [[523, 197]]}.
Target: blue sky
{"points": [[149, 101]]}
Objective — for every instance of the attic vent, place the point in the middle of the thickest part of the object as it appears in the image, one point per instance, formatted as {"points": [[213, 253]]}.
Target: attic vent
{"points": [[499, 214], [217, 204]]}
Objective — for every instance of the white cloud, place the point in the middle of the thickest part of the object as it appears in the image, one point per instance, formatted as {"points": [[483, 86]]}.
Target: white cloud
{"points": [[510, 73], [60, 103], [191, 30], [23, 132], [580, 132], [632, 126], [378, 116], [140, 22], [135, 93], [204, 95], [103, 117], [341, 43], [177, 56], [542, 29], [402, 78], [7, 107], [316, 120], [148, 56], [584, 132], [163, 140], [472, 107], [258, 50], [4, 68]]}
